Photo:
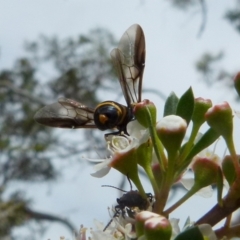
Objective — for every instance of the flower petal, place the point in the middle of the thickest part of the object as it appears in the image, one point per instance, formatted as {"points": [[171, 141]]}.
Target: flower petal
{"points": [[101, 169], [175, 227], [187, 183], [205, 192], [135, 129]]}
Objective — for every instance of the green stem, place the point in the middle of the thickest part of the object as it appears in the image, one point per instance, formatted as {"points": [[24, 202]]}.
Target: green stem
{"points": [[139, 186], [231, 148], [190, 142], [149, 172], [191, 192], [157, 145], [167, 183]]}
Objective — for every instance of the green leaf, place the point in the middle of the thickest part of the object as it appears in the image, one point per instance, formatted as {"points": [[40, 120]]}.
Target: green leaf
{"points": [[206, 140], [4, 143], [171, 104], [192, 233], [185, 105]]}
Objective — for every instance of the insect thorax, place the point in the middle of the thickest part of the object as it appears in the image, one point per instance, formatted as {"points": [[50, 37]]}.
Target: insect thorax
{"points": [[133, 199], [109, 115]]}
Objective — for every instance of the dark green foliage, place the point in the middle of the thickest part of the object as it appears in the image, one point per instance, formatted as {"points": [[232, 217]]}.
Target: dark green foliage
{"points": [[233, 16], [13, 216], [209, 64], [185, 105], [184, 4], [190, 234], [171, 105], [209, 137]]}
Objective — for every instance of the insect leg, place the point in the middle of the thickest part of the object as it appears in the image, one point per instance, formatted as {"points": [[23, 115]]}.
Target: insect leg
{"points": [[116, 214]]}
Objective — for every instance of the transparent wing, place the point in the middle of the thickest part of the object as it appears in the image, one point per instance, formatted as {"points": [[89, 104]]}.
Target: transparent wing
{"points": [[129, 61], [66, 113]]}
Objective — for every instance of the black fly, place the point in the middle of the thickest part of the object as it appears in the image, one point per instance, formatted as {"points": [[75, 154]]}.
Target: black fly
{"points": [[129, 202]]}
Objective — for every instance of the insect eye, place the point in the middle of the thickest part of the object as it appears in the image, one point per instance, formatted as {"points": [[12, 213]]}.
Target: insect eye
{"points": [[107, 116]]}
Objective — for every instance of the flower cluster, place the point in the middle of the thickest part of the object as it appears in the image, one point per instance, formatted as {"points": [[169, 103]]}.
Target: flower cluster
{"points": [[165, 151]]}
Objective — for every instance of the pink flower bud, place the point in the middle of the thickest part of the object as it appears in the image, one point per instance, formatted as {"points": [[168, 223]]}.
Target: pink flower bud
{"points": [[219, 117], [205, 172], [171, 131], [157, 228], [200, 108], [145, 113]]}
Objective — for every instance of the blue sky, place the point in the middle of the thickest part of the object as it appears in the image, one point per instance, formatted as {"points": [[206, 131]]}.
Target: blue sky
{"points": [[172, 49]]}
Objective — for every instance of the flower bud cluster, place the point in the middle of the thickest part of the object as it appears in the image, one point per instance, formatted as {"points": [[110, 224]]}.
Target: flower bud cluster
{"points": [[166, 150]]}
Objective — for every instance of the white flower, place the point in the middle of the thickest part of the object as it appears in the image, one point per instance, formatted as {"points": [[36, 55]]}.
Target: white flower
{"points": [[121, 144], [119, 229], [106, 235], [175, 227], [205, 229], [205, 192]]}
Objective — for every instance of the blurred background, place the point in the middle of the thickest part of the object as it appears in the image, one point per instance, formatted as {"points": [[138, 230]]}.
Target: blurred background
{"points": [[60, 48]]}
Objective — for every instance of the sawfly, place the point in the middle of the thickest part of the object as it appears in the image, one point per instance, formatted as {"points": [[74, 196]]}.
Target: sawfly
{"points": [[129, 61]]}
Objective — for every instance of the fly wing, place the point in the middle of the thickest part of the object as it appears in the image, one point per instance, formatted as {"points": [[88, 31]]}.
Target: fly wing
{"points": [[129, 61], [66, 113]]}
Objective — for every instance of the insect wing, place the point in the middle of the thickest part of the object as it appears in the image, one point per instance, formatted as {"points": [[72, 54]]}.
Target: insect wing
{"points": [[66, 113], [129, 61]]}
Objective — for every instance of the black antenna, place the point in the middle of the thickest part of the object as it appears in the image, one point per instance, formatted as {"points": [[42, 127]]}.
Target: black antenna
{"points": [[114, 187], [120, 188], [117, 212]]}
